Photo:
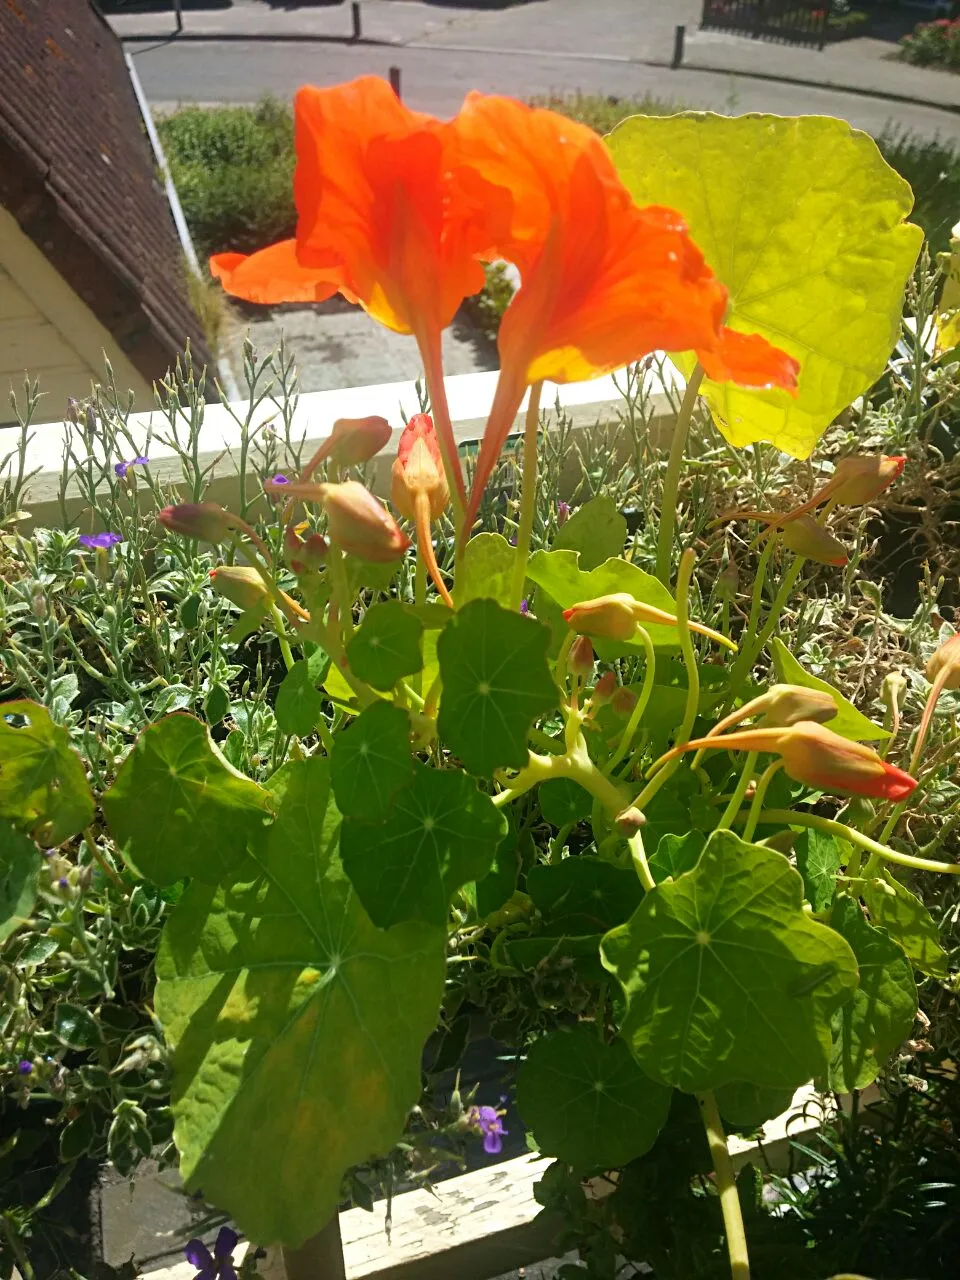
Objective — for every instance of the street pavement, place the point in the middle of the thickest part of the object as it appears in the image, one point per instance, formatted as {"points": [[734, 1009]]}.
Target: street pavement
{"points": [[619, 47]]}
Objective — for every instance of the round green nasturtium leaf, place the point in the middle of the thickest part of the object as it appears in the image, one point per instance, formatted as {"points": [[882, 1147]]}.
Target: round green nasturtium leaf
{"points": [[819, 859], [440, 832], [748, 1106], [903, 917], [496, 681], [803, 220], [597, 531], [19, 866], [587, 1102], [386, 647], [558, 573], [43, 786], [880, 1016], [674, 854], [562, 800], [726, 977], [486, 570], [584, 895], [297, 1025], [178, 809], [497, 887], [299, 703], [371, 761], [848, 722]]}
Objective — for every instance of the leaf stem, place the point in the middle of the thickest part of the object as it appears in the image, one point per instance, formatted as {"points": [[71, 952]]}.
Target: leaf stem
{"points": [[726, 1186], [671, 481], [637, 714], [528, 495], [639, 857], [758, 797], [830, 827], [739, 791]]}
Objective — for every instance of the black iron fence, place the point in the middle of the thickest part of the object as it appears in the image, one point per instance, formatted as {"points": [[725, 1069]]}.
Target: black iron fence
{"points": [[791, 21]]}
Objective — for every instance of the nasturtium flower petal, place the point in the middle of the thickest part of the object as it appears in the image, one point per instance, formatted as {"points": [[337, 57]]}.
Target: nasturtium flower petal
{"points": [[804, 222]]}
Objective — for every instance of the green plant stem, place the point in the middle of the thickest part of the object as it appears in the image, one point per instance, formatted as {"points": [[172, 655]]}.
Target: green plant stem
{"points": [[830, 827], [671, 481], [528, 495], [280, 627], [576, 765], [750, 650], [726, 1186], [636, 714], [758, 797], [638, 856], [101, 861], [739, 791]]}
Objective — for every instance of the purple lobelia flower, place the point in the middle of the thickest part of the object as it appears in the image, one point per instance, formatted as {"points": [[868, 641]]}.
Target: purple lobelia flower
{"points": [[100, 541], [219, 1264], [524, 605], [121, 468], [24, 1066], [280, 478], [490, 1125]]}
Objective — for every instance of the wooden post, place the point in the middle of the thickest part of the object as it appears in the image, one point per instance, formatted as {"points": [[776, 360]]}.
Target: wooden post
{"points": [[395, 81], [357, 32], [321, 1258], [678, 38]]}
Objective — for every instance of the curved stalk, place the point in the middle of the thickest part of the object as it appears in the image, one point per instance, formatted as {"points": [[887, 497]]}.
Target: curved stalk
{"points": [[726, 1186], [636, 714], [431, 354], [528, 495], [739, 791], [425, 547], [671, 481], [638, 856], [757, 804], [830, 827]]}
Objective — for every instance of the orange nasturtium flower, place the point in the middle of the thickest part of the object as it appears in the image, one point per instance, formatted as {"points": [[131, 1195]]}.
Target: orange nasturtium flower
{"points": [[604, 281], [387, 214]]}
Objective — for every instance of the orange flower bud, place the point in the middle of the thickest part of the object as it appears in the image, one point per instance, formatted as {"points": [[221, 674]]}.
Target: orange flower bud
{"points": [[617, 616], [605, 687], [811, 540], [817, 756], [240, 584], [788, 704], [623, 701], [945, 664], [205, 520], [581, 658], [858, 480], [303, 554], [418, 469], [354, 441], [361, 525], [629, 821]]}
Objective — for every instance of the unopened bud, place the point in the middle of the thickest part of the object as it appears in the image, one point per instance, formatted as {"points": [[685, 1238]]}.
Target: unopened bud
{"points": [[73, 411], [303, 554], [38, 605], [605, 687], [728, 582], [894, 686], [354, 441], [581, 658], [418, 469], [361, 525], [813, 542], [241, 585], [787, 704], [629, 821], [617, 616], [858, 480], [563, 512], [623, 701], [945, 663], [204, 520]]}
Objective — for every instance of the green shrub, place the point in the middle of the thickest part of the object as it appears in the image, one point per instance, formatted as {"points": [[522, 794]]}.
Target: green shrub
{"points": [[933, 171], [233, 170], [933, 44]]}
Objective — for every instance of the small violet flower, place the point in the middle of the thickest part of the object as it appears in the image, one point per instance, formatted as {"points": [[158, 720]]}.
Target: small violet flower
{"points": [[121, 468], [100, 541], [280, 478], [25, 1067], [524, 606], [563, 512], [219, 1265], [491, 1126]]}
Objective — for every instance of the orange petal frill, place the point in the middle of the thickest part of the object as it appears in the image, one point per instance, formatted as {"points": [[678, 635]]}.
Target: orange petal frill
{"points": [[604, 281]]}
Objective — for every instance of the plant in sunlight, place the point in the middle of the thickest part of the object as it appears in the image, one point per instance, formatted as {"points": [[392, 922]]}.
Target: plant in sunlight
{"points": [[718, 916]]}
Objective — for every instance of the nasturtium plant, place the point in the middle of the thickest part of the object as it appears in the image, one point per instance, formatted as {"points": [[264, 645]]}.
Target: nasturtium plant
{"points": [[819, 271], [726, 977], [178, 809], [296, 1023], [500, 772]]}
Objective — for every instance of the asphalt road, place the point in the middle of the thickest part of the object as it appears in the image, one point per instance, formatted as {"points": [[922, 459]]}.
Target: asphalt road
{"points": [[436, 78]]}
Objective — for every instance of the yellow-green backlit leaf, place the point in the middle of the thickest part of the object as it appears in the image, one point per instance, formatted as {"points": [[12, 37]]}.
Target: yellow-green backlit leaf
{"points": [[804, 222]]}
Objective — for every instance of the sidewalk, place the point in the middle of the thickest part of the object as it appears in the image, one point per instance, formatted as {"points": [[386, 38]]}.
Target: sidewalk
{"points": [[629, 32]]}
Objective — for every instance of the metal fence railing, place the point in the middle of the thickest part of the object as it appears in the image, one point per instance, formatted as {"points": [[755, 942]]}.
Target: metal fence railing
{"points": [[792, 21]]}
